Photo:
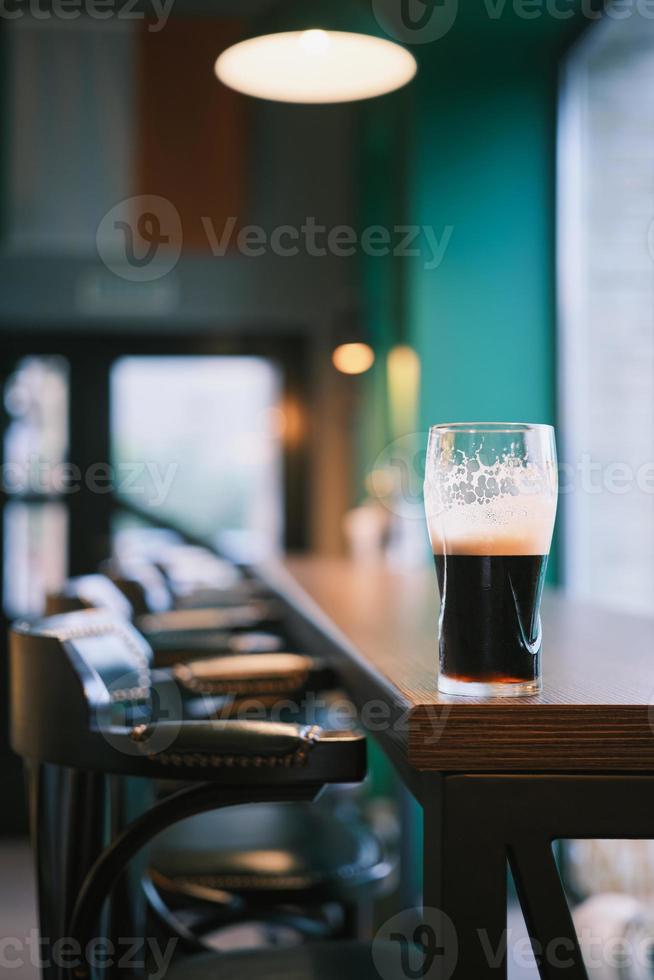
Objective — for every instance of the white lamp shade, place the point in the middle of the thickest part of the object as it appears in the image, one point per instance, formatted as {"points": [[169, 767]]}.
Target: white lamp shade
{"points": [[315, 66]]}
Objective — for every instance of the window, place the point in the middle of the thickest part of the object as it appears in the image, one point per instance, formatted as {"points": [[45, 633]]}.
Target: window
{"points": [[198, 441], [606, 294], [35, 450], [35, 538]]}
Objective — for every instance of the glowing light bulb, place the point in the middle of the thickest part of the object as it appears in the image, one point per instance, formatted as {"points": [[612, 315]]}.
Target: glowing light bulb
{"points": [[315, 42], [353, 358]]}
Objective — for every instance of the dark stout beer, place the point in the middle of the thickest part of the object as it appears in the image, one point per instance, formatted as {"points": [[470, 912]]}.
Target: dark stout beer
{"points": [[489, 621], [490, 498]]}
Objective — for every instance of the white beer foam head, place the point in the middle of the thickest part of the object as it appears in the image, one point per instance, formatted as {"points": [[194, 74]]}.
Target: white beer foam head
{"points": [[506, 508]]}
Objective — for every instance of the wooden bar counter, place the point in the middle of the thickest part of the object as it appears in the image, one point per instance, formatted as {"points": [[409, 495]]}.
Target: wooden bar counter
{"points": [[498, 779], [595, 712]]}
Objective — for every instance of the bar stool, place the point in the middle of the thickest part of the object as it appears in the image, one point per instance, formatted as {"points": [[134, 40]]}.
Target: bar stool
{"points": [[221, 674], [267, 866], [188, 585], [175, 635], [197, 577], [195, 574], [187, 599]]}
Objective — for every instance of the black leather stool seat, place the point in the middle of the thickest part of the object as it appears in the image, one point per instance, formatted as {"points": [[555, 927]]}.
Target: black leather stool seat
{"points": [[314, 961], [182, 643], [268, 848], [208, 621]]}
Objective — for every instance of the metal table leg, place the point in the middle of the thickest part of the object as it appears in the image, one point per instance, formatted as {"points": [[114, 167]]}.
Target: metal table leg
{"points": [[475, 824]]}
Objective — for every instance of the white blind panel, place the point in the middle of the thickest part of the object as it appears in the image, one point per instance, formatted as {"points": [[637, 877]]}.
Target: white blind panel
{"points": [[606, 292]]}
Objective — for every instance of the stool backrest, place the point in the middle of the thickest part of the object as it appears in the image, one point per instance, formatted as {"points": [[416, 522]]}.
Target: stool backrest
{"points": [[89, 592], [68, 674], [143, 584]]}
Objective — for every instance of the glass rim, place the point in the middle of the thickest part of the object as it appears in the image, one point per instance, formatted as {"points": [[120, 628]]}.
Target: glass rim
{"points": [[490, 427]]}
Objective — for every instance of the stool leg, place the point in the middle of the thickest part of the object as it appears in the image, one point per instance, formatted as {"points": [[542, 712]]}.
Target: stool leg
{"points": [[46, 847], [358, 921], [67, 827]]}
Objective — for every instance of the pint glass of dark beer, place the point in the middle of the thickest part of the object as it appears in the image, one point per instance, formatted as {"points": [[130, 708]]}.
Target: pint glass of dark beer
{"points": [[490, 497]]}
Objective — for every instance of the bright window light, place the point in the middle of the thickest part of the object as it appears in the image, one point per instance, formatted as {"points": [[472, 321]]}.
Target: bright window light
{"points": [[202, 439]]}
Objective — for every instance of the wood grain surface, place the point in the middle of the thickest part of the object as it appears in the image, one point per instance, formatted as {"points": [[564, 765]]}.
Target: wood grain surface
{"points": [[596, 710]]}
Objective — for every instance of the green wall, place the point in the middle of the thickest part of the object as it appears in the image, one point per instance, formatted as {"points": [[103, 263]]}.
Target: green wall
{"points": [[477, 128], [482, 163]]}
